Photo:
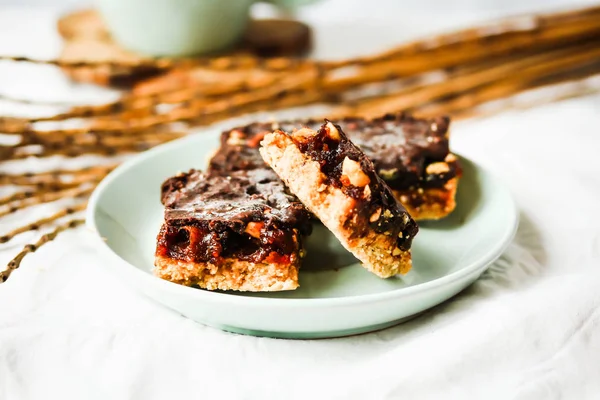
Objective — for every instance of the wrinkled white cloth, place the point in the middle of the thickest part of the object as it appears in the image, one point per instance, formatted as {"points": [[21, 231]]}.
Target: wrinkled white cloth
{"points": [[528, 329]]}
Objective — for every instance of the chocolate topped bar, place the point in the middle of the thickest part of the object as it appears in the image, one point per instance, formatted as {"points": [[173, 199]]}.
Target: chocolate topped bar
{"points": [[247, 215], [240, 231], [346, 167], [337, 182]]}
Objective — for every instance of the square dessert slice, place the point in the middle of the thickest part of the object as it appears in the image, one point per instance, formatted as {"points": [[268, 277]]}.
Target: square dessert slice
{"points": [[241, 232], [338, 183], [411, 154]]}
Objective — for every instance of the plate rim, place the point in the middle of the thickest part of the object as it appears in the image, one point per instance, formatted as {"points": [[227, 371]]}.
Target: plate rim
{"points": [[477, 266]]}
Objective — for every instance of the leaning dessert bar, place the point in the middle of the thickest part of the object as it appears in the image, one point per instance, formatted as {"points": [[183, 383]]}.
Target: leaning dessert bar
{"points": [[338, 183]]}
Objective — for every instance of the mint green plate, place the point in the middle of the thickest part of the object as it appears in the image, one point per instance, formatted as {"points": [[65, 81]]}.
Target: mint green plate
{"points": [[337, 297]]}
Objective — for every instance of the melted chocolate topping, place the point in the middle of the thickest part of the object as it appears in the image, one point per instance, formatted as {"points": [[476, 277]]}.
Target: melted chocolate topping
{"points": [[402, 147], [248, 215], [239, 149]]}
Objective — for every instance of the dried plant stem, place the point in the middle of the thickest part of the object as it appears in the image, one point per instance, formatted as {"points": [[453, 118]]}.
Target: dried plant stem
{"points": [[576, 91], [99, 145], [444, 59], [15, 197], [73, 175], [189, 111], [527, 68], [166, 89], [467, 105], [153, 63], [45, 197], [524, 31], [200, 108], [30, 248], [96, 138], [5, 97], [238, 61], [43, 221], [291, 99], [533, 33]]}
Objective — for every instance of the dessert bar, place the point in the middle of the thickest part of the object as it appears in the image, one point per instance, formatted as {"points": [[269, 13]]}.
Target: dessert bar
{"points": [[412, 155], [338, 183], [241, 231]]}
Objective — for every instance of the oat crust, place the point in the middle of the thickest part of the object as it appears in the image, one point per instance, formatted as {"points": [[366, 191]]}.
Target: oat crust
{"points": [[229, 274]]}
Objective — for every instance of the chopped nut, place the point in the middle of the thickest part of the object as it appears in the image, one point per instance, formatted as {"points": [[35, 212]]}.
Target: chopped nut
{"points": [[396, 252], [300, 134], [351, 169], [388, 214], [375, 216], [236, 138], [332, 131], [253, 229], [437, 168], [388, 173], [349, 206], [400, 234], [434, 127], [450, 158], [367, 192]]}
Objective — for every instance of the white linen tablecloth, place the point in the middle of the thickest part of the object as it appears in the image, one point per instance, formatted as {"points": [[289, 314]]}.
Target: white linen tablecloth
{"points": [[528, 329]]}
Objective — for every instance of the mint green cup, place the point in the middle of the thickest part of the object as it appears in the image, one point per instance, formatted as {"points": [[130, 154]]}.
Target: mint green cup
{"points": [[180, 27]]}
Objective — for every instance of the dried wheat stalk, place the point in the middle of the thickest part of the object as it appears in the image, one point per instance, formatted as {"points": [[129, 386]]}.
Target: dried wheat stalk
{"points": [[578, 90], [30, 248], [466, 105], [240, 61], [524, 31], [34, 179], [45, 197], [471, 45], [528, 68], [41, 222]]}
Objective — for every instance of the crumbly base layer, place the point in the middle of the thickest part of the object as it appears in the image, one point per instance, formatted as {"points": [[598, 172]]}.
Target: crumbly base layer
{"points": [[434, 203], [304, 178], [230, 274]]}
